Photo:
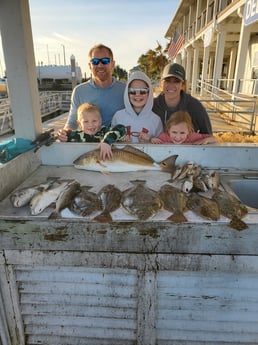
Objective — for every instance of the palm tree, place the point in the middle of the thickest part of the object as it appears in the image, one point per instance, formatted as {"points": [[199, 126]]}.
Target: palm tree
{"points": [[153, 62]]}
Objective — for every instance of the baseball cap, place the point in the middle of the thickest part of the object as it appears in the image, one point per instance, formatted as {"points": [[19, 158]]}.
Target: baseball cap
{"points": [[174, 70]]}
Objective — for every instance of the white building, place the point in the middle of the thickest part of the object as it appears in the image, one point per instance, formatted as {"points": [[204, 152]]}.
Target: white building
{"points": [[220, 43]]}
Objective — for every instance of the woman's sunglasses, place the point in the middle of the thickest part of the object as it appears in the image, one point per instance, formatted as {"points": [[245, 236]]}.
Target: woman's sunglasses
{"points": [[104, 61], [143, 90]]}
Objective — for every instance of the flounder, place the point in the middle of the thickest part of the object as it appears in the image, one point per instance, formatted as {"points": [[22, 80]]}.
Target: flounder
{"points": [[141, 201], [86, 202], [231, 208], [202, 206], [174, 200], [110, 197], [125, 159]]}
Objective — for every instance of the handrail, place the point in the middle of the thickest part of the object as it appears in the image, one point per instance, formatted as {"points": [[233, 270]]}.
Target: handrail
{"points": [[231, 107], [50, 102]]}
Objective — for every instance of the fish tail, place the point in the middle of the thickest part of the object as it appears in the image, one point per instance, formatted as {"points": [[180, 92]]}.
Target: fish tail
{"points": [[53, 215], [103, 217], [168, 164], [177, 217], [238, 224]]}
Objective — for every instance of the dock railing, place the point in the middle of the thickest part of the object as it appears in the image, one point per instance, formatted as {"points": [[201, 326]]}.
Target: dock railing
{"points": [[50, 103], [232, 108]]}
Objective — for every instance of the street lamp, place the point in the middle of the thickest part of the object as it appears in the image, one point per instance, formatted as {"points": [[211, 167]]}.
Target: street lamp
{"points": [[64, 54]]}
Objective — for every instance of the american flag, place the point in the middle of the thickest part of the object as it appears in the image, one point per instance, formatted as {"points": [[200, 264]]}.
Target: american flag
{"points": [[175, 45]]}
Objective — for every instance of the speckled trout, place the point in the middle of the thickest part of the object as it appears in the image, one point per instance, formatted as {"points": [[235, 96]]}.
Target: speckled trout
{"points": [[126, 159]]}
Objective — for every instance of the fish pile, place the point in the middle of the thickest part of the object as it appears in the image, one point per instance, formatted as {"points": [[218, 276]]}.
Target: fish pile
{"points": [[194, 179], [139, 200], [126, 159]]}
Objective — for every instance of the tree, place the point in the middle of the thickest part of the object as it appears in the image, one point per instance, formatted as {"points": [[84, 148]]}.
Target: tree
{"points": [[153, 62], [120, 73]]}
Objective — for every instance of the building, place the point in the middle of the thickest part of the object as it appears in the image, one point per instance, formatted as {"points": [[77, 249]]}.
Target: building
{"points": [[217, 42], [57, 77]]}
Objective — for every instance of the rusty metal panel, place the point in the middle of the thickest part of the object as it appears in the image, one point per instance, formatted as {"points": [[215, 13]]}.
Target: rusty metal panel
{"points": [[207, 308], [76, 305]]}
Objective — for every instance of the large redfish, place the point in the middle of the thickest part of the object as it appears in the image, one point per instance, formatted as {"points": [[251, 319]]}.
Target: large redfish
{"points": [[126, 159]]}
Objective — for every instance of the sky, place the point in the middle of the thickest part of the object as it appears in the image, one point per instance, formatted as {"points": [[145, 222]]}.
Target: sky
{"points": [[64, 28]]}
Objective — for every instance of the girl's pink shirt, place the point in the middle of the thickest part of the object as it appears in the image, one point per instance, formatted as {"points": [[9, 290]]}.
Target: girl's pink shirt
{"points": [[191, 138]]}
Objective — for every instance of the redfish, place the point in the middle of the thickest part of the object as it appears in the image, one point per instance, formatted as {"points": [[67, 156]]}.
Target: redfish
{"points": [[126, 159]]}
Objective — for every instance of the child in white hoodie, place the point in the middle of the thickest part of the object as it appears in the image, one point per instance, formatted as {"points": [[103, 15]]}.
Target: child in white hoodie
{"points": [[141, 122]]}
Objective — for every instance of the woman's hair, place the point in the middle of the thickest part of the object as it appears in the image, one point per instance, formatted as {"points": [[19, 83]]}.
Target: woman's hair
{"points": [[101, 46], [179, 117], [92, 108]]}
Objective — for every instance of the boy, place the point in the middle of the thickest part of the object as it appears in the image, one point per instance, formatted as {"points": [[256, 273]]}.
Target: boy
{"points": [[90, 122], [142, 124]]}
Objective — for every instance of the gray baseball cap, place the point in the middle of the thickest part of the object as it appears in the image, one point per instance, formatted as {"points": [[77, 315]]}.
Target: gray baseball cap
{"points": [[174, 70]]}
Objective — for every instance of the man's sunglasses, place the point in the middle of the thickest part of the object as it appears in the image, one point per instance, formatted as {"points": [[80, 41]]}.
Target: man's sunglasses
{"points": [[142, 90], [104, 61]]}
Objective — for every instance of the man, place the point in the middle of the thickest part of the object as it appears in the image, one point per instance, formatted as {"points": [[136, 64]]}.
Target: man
{"points": [[102, 89], [174, 98]]}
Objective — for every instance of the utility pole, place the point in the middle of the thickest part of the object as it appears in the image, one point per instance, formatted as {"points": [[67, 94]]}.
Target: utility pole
{"points": [[73, 71], [64, 53]]}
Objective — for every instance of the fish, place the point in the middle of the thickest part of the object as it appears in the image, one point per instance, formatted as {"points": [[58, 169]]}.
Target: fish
{"points": [[86, 202], [125, 159], [141, 201], [110, 197], [187, 185], [196, 170], [203, 206], [199, 185], [212, 180], [65, 198], [43, 199], [182, 171], [232, 208], [174, 200], [23, 196]]}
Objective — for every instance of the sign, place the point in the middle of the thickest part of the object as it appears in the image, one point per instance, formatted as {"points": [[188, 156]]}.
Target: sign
{"points": [[250, 12]]}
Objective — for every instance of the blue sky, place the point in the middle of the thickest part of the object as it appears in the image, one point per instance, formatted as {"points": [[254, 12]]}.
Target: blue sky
{"points": [[62, 28]]}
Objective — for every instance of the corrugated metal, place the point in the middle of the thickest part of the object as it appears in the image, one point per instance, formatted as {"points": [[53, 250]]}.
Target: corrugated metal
{"points": [[76, 305], [207, 308]]}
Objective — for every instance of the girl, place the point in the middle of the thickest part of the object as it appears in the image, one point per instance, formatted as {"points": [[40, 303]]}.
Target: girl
{"points": [[179, 130]]}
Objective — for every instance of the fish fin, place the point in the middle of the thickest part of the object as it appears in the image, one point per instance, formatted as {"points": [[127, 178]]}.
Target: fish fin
{"points": [[107, 173], [135, 151], [238, 224], [103, 217], [177, 217], [101, 163], [168, 164]]}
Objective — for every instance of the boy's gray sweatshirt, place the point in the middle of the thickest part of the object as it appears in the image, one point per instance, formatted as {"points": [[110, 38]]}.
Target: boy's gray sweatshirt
{"points": [[146, 118]]}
